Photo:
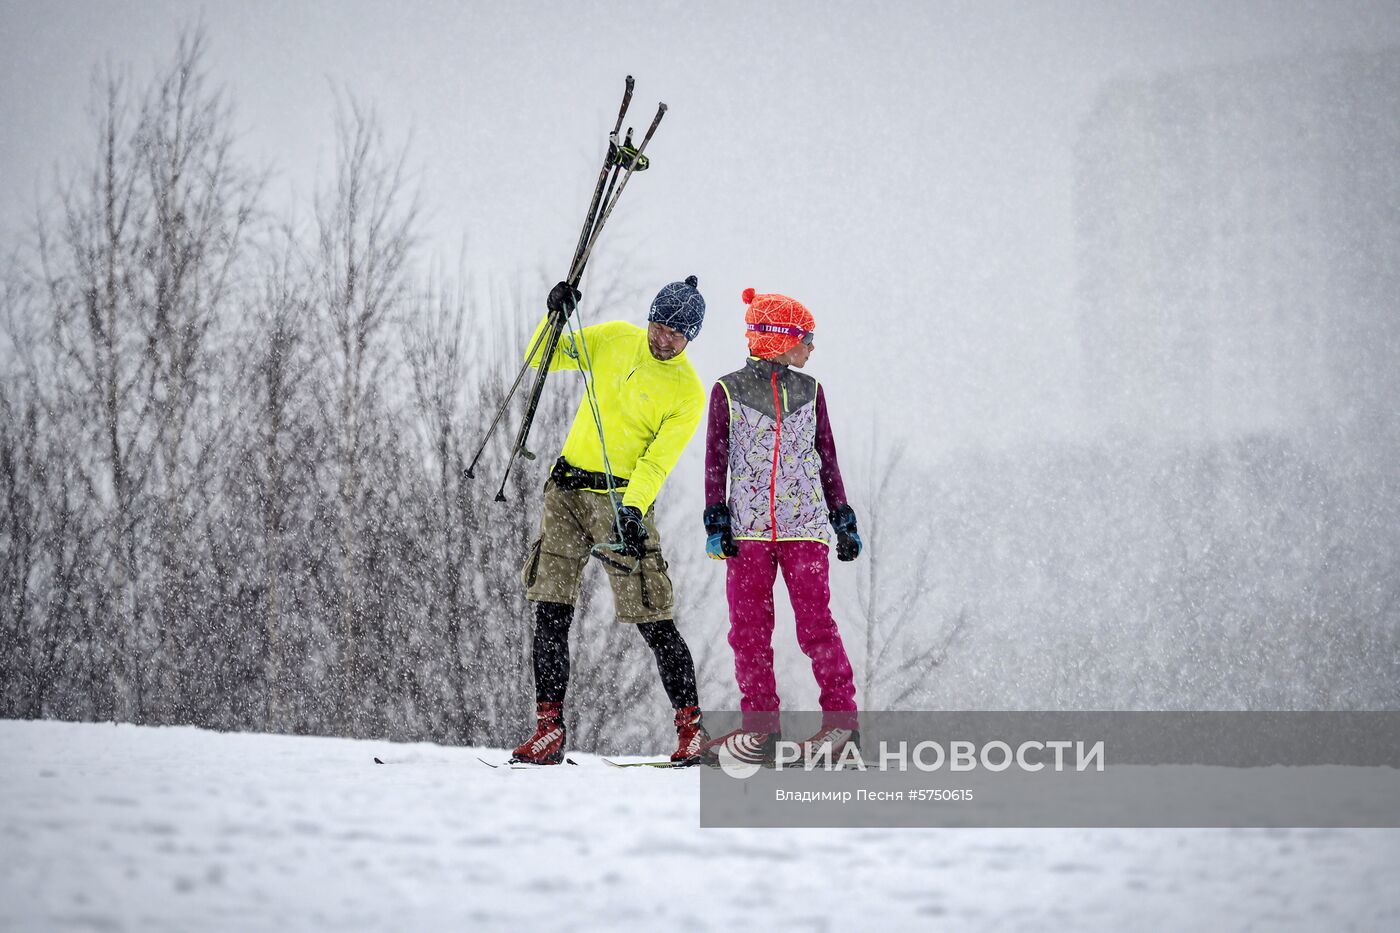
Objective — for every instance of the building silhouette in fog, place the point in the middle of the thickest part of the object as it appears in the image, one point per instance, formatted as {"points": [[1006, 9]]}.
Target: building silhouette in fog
{"points": [[1239, 251]]}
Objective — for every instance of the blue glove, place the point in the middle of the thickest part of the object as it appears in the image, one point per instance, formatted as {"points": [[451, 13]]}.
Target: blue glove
{"points": [[720, 543], [843, 520]]}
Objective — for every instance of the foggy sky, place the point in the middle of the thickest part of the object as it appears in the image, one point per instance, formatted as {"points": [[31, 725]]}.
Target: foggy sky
{"points": [[904, 169]]}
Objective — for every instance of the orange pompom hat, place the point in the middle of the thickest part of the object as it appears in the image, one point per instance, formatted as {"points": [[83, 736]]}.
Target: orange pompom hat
{"points": [[776, 323]]}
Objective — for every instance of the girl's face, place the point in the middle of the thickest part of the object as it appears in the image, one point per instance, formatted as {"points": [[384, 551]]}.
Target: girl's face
{"points": [[797, 356]]}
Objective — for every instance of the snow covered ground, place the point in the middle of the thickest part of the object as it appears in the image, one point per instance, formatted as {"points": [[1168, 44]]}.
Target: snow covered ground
{"points": [[121, 827]]}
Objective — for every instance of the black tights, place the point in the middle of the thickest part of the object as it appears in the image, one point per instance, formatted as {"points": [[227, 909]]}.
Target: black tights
{"points": [[551, 656]]}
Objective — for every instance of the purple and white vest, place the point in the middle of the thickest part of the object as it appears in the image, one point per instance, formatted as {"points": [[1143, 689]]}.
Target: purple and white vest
{"points": [[774, 498]]}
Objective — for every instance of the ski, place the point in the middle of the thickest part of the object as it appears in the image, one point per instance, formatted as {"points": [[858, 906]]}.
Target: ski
{"points": [[520, 765], [663, 763], [512, 765]]}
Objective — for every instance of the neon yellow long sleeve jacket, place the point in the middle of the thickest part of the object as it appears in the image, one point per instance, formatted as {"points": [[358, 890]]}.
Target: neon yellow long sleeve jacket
{"points": [[649, 408]]}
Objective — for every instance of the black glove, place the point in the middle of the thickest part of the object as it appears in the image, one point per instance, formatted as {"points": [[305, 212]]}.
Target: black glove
{"points": [[634, 531], [719, 542], [563, 299], [843, 519]]}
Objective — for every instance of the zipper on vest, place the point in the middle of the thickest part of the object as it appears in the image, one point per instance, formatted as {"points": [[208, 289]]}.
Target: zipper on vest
{"points": [[777, 441]]}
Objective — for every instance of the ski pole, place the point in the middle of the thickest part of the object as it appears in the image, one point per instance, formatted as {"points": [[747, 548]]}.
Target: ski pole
{"points": [[574, 276], [582, 260], [536, 391], [600, 208], [609, 161], [470, 471]]}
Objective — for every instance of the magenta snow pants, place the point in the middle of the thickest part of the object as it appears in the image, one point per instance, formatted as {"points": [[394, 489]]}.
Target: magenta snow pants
{"points": [[750, 587]]}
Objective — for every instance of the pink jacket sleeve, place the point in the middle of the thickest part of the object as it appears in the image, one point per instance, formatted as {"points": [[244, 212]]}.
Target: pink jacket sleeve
{"points": [[826, 446], [717, 448]]}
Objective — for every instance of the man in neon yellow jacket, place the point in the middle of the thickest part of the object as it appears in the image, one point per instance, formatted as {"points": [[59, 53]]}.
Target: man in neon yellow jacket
{"points": [[646, 404]]}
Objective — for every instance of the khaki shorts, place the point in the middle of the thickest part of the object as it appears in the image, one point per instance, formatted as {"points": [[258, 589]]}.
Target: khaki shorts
{"points": [[575, 520]]}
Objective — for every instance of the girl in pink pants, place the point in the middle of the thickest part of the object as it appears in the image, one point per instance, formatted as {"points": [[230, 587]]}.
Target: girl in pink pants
{"points": [[773, 484]]}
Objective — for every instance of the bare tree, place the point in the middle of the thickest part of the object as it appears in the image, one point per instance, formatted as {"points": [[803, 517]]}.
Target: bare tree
{"points": [[200, 204], [437, 365], [19, 545], [498, 622], [894, 589], [89, 266], [364, 235], [270, 483], [50, 538], [136, 271]]}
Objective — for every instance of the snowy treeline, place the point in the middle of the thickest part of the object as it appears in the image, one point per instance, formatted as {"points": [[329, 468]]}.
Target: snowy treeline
{"points": [[231, 445]]}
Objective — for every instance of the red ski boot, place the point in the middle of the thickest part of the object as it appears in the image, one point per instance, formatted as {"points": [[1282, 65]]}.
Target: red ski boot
{"points": [[690, 735], [546, 746]]}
